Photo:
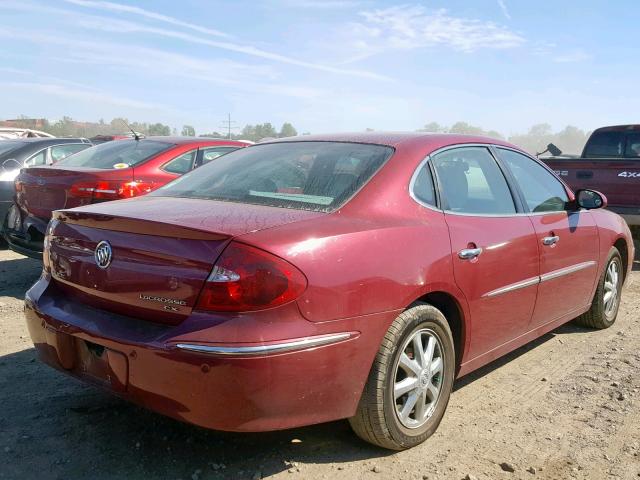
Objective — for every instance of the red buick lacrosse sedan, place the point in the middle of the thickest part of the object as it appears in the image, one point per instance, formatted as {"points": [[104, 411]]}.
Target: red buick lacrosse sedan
{"points": [[320, 278]]}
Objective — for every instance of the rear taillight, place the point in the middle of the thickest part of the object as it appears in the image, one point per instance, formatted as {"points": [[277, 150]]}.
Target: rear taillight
{"points": [[110, 190], [245, 278]]}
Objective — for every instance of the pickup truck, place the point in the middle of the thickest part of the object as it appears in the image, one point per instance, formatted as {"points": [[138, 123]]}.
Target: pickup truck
{"points": [[610, 163]]}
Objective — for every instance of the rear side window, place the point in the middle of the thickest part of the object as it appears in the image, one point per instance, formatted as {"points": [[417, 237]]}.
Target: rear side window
{"points": [[63, 151], [211, 153], [605, 144], [182, 164], [542, 191], [317, 176], [423, 189], [39, 158], [470, 181], [116, 154]]}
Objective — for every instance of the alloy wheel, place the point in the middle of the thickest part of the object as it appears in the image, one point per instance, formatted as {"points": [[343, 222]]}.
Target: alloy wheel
{"points": [[418, 378]]}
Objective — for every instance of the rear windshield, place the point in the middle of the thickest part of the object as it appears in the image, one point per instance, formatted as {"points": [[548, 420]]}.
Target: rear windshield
{"points": [[116, 154], [7, 146], [605, 144], [318, 176], [633, 145]]}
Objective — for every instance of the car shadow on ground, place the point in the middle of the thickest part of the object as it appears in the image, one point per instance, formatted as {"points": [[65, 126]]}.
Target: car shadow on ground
{"points": [[568, 328], [57, 424], [17, 275], [54, 423]]}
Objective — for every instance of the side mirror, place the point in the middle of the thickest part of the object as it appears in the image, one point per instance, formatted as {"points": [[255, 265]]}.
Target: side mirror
{"points": [[590, 199]]}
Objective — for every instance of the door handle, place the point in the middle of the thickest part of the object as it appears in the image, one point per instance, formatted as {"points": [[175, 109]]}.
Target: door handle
{"points": [[551, 240], [469, 253]]}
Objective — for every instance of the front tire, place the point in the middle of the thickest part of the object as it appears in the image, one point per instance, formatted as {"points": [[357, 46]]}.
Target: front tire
{"points": [[410, 382], [606, 301]]}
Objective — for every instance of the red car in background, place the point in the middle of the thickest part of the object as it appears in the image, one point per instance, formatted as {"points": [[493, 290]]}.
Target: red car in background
{"points": [[109, 171], [303, 281]]}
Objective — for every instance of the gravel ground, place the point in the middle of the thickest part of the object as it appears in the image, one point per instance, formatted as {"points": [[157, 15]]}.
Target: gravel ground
{"points": [[565, 406]]}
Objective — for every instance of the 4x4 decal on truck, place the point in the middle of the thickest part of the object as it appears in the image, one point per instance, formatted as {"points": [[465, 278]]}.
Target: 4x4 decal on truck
{"points": [[629, 174]]}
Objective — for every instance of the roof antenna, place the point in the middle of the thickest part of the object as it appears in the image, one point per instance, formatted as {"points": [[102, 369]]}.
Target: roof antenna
{"points": [[135, 134]]}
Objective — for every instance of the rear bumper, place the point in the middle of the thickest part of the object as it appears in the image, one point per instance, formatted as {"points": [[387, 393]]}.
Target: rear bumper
{"points": [[189, 372]]}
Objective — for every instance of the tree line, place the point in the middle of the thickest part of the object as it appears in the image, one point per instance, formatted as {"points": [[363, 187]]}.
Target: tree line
{"points": [[570, 139], [68, 127]]}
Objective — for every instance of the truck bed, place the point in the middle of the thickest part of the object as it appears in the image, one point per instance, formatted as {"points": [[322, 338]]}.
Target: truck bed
{"points": [[617, 178]]}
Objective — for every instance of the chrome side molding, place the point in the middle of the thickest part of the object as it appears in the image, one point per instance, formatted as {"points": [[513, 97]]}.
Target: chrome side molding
{"points": [[566, 271], [542, 278], [514, 286]]}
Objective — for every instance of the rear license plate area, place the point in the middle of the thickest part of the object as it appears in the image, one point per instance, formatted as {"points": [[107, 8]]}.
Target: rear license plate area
{"points": [[101, 365]]}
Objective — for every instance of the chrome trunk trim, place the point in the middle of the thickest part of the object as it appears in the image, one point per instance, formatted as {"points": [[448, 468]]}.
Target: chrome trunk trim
{"points": [[257, 350]]}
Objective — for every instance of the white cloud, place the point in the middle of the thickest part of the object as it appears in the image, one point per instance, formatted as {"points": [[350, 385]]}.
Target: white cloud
{"points": [[322, 4], [108, 24], [407, 27], [141, 12], [505, 10], [91, 96], [572, 57], [220, 72]]}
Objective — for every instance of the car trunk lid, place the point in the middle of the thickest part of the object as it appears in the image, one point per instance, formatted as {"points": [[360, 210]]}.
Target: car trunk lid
{"points": [[41, 190], [162, 251]]}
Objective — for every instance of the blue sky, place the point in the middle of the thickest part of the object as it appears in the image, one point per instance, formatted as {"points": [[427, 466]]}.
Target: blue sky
{"points": [[323, 65]]}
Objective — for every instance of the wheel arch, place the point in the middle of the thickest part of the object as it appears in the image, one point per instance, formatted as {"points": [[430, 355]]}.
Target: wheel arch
{"points": [[453, 311], [621, 245]]}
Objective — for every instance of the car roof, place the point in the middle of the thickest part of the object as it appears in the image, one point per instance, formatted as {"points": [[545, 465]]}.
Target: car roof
{"points": [[618, 128], [392, 139], [184, 140], [47, 141]]}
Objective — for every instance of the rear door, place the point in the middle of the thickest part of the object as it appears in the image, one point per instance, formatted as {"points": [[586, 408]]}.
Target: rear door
{"points": [[567, 240], [494, 248]]}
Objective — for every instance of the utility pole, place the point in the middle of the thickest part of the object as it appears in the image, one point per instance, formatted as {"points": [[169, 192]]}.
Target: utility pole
{"points": [[228, 125]]}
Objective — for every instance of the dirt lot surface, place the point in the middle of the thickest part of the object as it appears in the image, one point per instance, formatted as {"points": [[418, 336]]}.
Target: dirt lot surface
{"points": [[566, 406]]}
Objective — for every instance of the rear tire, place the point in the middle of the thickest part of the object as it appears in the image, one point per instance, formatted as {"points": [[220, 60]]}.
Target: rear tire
{"points": [[606, 301], [410, 382]]}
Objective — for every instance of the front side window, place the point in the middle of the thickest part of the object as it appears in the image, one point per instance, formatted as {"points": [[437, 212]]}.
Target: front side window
{"points": [[318, 176], [542, 191], [116, 154], [470, 181], [59, 152], [181, 164]]}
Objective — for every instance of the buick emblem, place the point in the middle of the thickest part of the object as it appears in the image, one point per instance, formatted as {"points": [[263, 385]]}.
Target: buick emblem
{"points": [[103, 254]]}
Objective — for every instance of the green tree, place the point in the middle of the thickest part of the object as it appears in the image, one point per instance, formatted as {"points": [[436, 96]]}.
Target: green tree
{"points": [[159, 129], [287, 130], [433, 127], [188, 131]]}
